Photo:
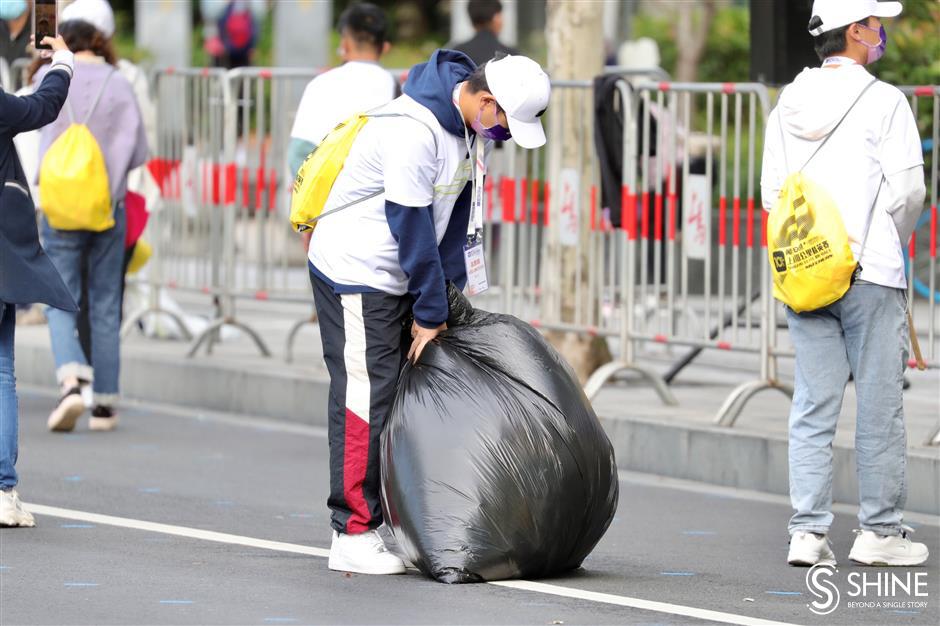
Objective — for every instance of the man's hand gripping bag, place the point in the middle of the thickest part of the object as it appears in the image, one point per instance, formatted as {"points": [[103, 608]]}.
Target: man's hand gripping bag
{"points": [[494, 464]]}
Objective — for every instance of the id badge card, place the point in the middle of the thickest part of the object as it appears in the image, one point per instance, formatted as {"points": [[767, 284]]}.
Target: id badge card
{"points": [[475, 263]]}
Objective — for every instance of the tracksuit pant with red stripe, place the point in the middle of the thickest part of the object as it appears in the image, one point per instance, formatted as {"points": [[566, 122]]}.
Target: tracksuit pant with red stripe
{"points": [[363, 350]]}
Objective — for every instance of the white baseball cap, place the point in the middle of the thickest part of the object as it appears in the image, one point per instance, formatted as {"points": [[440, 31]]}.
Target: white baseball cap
{"points": [[98, 13], [837, 13], [522, 89]]}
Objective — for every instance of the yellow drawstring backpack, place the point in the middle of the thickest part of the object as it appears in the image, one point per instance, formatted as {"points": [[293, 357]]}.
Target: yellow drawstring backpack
{"points": [[321, 168], [807, 245], [74, 189]]}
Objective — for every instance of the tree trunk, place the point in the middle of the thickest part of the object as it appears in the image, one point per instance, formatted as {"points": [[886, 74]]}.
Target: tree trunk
{"points": [[691, 36], [573, 32]]}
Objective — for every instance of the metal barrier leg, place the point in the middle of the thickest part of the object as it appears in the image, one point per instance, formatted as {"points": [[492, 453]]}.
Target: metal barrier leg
{"points": [[140, 314], [212, 332], [292, 335], [731, 409], [608, 371]]}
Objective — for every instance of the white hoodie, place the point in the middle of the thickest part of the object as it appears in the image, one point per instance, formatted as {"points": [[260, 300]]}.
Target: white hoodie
{"points": [[877, 139]]}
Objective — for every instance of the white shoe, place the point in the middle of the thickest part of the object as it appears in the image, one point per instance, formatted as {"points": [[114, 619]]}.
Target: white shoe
{"points": [[895, 550], [12, 512], [363, 553], [67, 411], [808, 549]]}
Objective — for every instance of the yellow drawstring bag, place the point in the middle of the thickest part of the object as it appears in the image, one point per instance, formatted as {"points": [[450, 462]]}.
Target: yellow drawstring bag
{"points": [[811, 262], [321, 168], [319, 171], [74, 189], [142, 253]]}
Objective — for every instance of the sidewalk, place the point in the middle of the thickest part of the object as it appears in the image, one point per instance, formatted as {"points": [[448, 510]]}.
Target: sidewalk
{"points": [[649, 437]]}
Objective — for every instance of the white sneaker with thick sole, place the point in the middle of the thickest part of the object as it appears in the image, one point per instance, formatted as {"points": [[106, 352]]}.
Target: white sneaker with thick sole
{"points": [[892, 551], [363, 553], [808, 549], [67, 411], [12, 512]]}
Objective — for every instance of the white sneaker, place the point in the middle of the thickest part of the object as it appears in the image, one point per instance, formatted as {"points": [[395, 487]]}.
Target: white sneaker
{"points": [[12, 512], [895, 550], [67, 411], [808, 549], [363, 553]]}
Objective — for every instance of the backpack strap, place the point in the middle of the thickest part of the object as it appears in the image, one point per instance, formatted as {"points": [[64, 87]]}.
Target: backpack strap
{"points": [[836, 127], [94, 106]]}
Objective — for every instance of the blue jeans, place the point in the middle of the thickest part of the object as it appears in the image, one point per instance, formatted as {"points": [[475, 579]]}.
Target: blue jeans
{"points": [[105, 252], [864, 334], [8, 409]]}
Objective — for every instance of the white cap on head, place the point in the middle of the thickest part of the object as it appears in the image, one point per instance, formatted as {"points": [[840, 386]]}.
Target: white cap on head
{"points": [[522, 90], [98, 13], [838, 13]]}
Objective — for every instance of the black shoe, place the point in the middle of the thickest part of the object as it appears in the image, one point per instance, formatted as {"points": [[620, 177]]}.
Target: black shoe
{"points": [[67, 411], [103, 418]]}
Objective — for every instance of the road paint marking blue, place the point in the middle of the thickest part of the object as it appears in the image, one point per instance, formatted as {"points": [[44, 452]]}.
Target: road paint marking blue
{"points": [[81, 584], [521, 585], [784, 593], [76, 525], [699, 533], [73, 479], [677, 573], [176, 602], [149, 490], [4, 568]]}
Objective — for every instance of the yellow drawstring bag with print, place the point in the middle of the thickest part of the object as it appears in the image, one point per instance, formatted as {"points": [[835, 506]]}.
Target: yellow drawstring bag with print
{"points": [[811, 261]]}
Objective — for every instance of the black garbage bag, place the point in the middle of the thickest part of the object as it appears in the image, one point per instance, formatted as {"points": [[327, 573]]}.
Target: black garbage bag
{"points": [[494, 464]]}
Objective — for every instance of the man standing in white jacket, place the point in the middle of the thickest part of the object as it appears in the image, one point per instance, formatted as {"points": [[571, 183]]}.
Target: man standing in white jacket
{"points": [[872, 167]]}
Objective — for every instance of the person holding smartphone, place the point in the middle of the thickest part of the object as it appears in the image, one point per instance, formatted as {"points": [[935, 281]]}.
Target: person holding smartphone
{"points": [[27, 274]]}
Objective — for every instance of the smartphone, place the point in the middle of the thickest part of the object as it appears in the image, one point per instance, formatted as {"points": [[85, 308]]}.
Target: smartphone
{"points": [[45, 18]]}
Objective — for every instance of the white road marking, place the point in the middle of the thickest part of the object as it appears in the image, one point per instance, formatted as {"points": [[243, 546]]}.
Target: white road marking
{"points": [[279, 546], [179, 531], [636, 603]]}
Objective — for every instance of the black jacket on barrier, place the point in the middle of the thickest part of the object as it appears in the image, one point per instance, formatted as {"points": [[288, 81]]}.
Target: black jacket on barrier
{"points": [[27, 275]]}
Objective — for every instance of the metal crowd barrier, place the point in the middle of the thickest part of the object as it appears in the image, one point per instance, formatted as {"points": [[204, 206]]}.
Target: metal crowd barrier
{"points": [[13, 75], [191, 230], [686, 266], [692, 278]]}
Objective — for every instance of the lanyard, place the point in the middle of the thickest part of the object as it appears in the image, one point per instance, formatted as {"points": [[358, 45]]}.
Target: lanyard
{"points": [[838, 61], [476, 151], [478, 170]]}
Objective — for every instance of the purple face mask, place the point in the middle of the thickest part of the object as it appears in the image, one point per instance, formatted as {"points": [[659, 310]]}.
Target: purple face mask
{"points": [[496, 132], [875, 51]]}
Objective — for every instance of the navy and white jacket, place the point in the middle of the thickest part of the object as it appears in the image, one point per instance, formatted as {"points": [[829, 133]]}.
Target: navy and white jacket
{"points": [[26, 273], [410, 237]]}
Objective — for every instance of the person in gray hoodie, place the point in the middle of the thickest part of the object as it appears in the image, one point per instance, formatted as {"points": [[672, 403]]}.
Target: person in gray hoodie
{"points": [[872, 167]]}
